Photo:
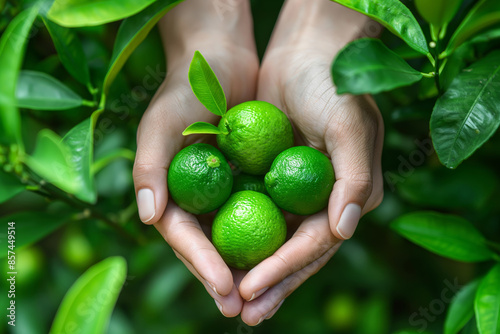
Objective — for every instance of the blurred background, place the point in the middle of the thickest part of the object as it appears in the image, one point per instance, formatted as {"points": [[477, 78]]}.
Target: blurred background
{"points": [[378, 282]]}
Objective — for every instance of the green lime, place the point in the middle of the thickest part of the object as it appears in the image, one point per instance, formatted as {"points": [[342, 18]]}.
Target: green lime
{"points": [[245, 181], [199, 178], [254, 133], [300, 180], [247, 229]]}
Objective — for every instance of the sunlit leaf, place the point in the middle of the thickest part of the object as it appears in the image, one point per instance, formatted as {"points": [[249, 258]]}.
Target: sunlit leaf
{"points": [[201, 127], [461, 308], [10, 186]]}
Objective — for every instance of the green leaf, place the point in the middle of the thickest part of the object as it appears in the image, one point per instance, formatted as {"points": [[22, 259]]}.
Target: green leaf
{"points": [[12, 46], [367, 66], [447, 235], [31, 227], [80, 13], [483, 15], [50, 160], [468, 113], [438, 12], [70, 51], [40, 91], [131, 33], [461, 308], [206, 86], [80, 142], [395, 16], [10, 186], [89, 302], [487, 302], [201, 127]]}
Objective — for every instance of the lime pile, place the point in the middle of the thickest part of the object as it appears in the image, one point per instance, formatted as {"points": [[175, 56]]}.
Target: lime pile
{"points": [[256, 138]]}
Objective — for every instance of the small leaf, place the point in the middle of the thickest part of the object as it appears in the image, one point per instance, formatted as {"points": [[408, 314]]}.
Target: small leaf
{"points": [[461, 308], [446, 235], [487, 302], [10, 186], [131, 33], [206, 86], [483, 15], [70, 51], [468, 113], [31, 227], [89, 302], [367, 66], [201, 127], [12, 46], [438, 12], [40, 91], [395, 16], [50, 161], [80, 13]]}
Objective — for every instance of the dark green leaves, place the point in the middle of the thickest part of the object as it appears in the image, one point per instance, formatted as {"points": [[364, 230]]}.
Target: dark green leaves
{"points": [[446, 235], [468, 113], [395, 16], [79, 13], [438, 12], [206, 86], [201, 127], [461, 308], [90, 301], [487, 302], [12, 45], [368, 66], [40, 91], [10, 186]]}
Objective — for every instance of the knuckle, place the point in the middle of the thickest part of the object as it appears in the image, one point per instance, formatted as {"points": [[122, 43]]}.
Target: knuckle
{"points": [[362, 183]]}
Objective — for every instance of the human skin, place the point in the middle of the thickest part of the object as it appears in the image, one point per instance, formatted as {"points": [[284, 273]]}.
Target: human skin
{"points": [[294, 76]]}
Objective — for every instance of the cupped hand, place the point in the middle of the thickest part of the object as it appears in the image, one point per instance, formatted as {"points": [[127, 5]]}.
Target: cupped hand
{"points": [[295, 76]]}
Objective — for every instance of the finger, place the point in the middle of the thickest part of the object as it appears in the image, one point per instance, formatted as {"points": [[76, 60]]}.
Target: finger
{"points": [[351, 141], [265, 306], [311, 240], [183, 233]]}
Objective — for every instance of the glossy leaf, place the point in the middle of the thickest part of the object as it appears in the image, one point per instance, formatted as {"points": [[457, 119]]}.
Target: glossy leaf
{"points": [[201, 127], [31, 227], [131, 33], [10, 186], [80, 13], [12, 46], [51, 161], [487, 302], [80, 142], [40, 91], [468, 113], [461, 308], [89, 303], [395, 16], [485, 14], [446, 235], [438, 12], [206, 86], [70, 51], [368, 66]]}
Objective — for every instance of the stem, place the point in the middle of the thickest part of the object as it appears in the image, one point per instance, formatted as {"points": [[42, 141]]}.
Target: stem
{"points": [[104, 161], [88, 103], [428, 75]]}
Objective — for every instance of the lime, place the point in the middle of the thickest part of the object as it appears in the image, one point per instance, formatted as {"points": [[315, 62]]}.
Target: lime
{"points": [[245, 181], [300, 180], [248, 228], [199, 178], [254, 133]]}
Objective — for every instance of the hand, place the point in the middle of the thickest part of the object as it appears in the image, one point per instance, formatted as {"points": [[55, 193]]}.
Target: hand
{"points": [[227, 44], [295, 76]]}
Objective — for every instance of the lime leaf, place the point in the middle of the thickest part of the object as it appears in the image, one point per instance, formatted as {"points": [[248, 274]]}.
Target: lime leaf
{"points": [[438, 12], [11, 186], [447, 235], [487, 302], [206, 86], [40, 91], [89, 302], [395, 16], [468, 113], [80, 13], [367, 66], [201, 127], [461, 308]]}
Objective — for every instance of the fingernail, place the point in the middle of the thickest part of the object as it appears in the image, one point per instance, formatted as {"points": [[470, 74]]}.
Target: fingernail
{"points": [[258, 293], [219, 306], [274, 310], [146, 204], [213, 288], [349, 220]]}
